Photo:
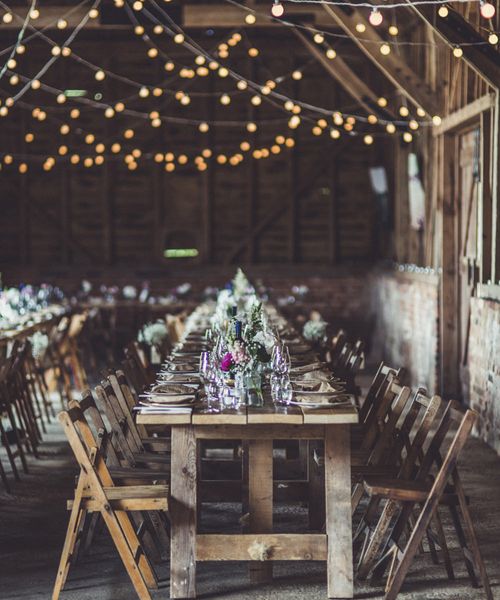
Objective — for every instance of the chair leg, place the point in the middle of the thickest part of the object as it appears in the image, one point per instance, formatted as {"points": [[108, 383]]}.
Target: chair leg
{"points": [[4, 440], [126, 553], [3, 476], [444, 546], [67, 554]]}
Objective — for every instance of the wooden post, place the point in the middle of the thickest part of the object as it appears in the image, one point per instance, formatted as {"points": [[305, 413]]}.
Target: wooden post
{"points": [[495, 192], [338, 511], [183, 513], [448, 289], [260, 473], [485, 197]]}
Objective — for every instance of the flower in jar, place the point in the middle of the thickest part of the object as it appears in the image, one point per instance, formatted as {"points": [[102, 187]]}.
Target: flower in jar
{"points": [[227, 362], [240, 354]]}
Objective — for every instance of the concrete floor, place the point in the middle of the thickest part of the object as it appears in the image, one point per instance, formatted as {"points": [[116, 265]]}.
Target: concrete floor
{"points": [[33, 521]]}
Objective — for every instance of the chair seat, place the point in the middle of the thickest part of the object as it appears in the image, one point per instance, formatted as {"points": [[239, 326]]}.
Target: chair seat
{"points": [[148, 474], [129, 497]]}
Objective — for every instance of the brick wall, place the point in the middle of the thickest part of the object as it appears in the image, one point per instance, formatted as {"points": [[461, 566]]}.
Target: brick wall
{"points": [[405, 309], [484, 368]]}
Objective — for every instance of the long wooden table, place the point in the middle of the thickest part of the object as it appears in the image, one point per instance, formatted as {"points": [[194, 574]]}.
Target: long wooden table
{"points": [[259, 427]]}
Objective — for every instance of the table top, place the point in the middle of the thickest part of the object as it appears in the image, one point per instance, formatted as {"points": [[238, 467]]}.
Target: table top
{"points": [[250, 415]]}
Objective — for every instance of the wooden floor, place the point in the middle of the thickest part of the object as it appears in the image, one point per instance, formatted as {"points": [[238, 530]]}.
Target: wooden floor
{"points": [[33, 521]]}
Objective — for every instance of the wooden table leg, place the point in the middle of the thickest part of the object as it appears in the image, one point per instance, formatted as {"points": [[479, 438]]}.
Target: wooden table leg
{"points": [[316, 488], [183, 513], [260, 484], [338, 511]]}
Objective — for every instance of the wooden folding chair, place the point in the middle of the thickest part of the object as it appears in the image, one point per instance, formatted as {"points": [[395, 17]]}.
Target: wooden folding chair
{"points": [[445, 487], [140, 364], [96, 492]]}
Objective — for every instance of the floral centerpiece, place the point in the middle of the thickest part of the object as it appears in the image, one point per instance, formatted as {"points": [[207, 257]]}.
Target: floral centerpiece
{"points": [[314, 330]]}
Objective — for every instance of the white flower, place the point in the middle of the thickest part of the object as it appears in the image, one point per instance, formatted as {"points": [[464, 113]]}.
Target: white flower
{"points": [[314, 330], [40, 343], [129, 292], [154, 334], [266, 339]]}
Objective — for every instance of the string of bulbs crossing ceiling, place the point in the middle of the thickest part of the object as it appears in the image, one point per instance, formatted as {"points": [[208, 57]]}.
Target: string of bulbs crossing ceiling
{"points": [[322, 119]]}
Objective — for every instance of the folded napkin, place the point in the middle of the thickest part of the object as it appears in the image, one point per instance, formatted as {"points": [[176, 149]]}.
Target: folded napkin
{"points": [[315, 366], [314, 386], [171, 389]]}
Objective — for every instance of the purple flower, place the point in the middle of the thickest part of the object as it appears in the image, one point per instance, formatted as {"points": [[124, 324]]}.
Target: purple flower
{"points": [[227, 362]]}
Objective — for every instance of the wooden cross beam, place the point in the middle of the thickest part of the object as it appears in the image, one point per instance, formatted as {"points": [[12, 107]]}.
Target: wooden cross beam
{"points": [[455, 30], [347, 78], [392, 65]]}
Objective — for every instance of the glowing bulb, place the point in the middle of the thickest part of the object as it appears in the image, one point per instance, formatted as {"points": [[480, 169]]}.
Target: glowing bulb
{"points": [[89, 138], [443, 12], [35, 84], [251, 127], [420, 112], [20, 49], [279, 139], [29, 137], [93, 13], [99, 160], [152, 53], [319, 38], [382, 102], [407, 137], [277, 9], [206, 153], [64, 129], [119, 107], [256, 100], [62, 24], [294, 122], [225, 99], [139, 30], [253, 52], [436, 120], [128, 134], [457, 52], [223, 72], [23, 167], [185, 100], [61, 99], [100, 147], [115, 148], [100, 75], [375, 17], [403, 111], [487, 10], [182, 160], [289, 142], [385, 49], [34, 14], [109, 112], [203, 127], [75, 159], [242, 85], [413, 125], [331, 54], [66, 51], [297, 75], [144, 92], [245, 146], [158, 29], [75, 113], [12, 63], [178, 38], [55, 51], [169, 66], [317, 130], [7, 18], [393, 30], [222, 159], [63, 150], [334, 134], [372, 119], [360, 27], [250, 19], [14, 80], [493, 39], [368, 140]]}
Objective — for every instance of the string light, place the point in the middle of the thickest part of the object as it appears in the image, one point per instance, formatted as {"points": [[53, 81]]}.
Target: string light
{"points": [[375, 17], [385, 49], [443, 11], [250, 19], [407, 137], [331, 54], [393, 30], [493, 39], [457, 52], [277, 9], [368, 140], [390, 128], [487, 9]]}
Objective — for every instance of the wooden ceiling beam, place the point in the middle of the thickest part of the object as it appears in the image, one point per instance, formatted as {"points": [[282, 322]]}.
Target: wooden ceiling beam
{"points": [[392, 66], [347, 78], [482, 57]]}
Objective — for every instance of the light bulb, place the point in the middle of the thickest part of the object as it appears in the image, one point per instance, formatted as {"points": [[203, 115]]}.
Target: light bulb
{"points": [[372, 119], [382, 102], [245, 146], [457, 52], [407, 137], [277, 9], [403, 111], [62, 24], [253, 52], [390, 128], [493, 39], [393, 30], [436, 120], [7, 18], [360, 27], [487, 9], [251, 127], [279, 139], [178, 38], [35, 84], [443, 12], [242, 84], [100, 75], [115, 148], [319, 38], [152, 53], [256, 100], [368, 140], [385, 49], [250, 19], [64, 129], [420, 112], [225, 99], [375, 17], [331, 54], [316, 130], [203, 127], [61, 99], [297, 75], [29, 137]]}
